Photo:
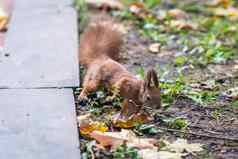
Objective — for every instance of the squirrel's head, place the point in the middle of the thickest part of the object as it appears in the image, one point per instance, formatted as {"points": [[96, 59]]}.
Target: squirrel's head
{"points": [[150, 90]]}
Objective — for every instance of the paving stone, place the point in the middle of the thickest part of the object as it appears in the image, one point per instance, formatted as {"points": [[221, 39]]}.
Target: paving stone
{"points": [[35, 4], [42, 48], [38, 124]]}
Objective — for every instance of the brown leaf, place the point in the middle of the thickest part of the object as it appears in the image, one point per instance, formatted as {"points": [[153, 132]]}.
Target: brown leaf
{"points": [[138, 10], [137, 7], [181, 24], [115, 139], [177, 14]]}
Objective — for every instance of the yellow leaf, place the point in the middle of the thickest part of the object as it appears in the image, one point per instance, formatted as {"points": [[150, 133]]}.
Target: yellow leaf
{"points": [[86, 125], [224, 3], [139, 118], [3, 20], [230, 12]]}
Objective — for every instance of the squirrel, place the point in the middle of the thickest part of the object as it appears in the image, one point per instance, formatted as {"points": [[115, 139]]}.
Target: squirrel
{"points": [[99, 51]]}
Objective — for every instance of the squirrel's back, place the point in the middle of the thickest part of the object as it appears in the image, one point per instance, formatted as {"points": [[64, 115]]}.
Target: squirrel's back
{"points": [[102, 39]]}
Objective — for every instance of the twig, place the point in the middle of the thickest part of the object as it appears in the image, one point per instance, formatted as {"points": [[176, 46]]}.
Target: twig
{"points": [[197, 134]]}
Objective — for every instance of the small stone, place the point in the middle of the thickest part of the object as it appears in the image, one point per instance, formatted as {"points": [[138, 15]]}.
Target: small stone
{"points": [[155, 48]]}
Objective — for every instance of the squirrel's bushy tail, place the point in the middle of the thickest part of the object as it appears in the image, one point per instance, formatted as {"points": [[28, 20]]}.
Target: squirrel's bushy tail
{"points": [[101, 39]]}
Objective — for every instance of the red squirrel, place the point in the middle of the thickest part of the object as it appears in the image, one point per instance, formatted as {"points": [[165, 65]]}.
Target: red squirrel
{"points": [[99, 53]]}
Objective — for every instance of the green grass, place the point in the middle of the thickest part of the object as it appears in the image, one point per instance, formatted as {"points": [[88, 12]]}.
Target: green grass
{"points": [[215, 40]]}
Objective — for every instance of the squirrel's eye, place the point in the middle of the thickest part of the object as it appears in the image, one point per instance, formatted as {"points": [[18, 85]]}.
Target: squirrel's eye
{"points": [[148, 97]]}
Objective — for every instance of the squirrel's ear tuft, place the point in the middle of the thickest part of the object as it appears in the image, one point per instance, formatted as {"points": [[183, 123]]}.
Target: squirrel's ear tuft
{"points": [[151, 78]]}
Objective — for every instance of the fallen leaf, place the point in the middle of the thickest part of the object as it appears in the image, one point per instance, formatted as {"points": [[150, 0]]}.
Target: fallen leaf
{"points": [[230, 12], [177, 14], [3, 20], [181, 145], [182, 24], [155, 154], [139, 118], [161, 15], [175, 150], [215, 3], [136, 8], [111, 4], [86, 125], [155, 48], [115, 139]]}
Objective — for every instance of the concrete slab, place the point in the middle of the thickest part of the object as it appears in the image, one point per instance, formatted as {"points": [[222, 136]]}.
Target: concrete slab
{"points": [[40, 49], [38, 124], [29, 5]]}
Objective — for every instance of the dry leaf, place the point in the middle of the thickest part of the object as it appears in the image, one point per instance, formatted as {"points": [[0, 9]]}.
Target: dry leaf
{"points": [[177, 14], [175, 150], [86, 125], [139, 118], [155, 48], [115, 139], [111, 4], [3, 20], [155, 154], [181, 145], [230, 12], [215, 3], [161, 15], [136, 8], [181, 24]]}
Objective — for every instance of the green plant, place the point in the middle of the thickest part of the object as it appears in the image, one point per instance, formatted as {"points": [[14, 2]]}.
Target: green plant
{"points": [[148, 3], [140, 72], [123, 152], [176, 123], [147, 129], [216, 114], [181, 60], [82, 9], [88, 149], [234, 104]]}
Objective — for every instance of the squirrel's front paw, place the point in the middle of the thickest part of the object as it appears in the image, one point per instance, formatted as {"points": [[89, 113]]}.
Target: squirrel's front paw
{"points": [[82, 97]]}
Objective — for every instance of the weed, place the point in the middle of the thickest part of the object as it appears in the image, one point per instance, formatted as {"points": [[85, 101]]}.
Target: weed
{"points": [[176, 123], [82, 9], [124, 151], [147, 129], [216, 114]]}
